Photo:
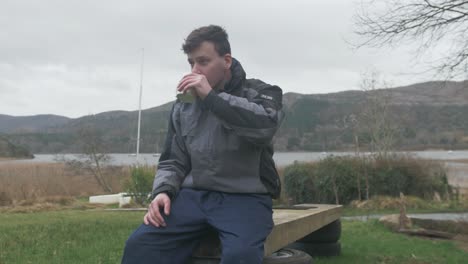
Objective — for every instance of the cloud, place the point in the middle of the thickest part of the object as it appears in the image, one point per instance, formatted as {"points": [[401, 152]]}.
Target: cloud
{"points": [[79, 57]]}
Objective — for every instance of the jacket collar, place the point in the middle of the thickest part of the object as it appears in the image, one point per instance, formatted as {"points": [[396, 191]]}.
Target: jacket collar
{"points": [[234, 85], [237, 77]]}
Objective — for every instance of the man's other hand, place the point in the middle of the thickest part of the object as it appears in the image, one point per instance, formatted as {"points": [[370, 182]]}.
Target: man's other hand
{"points": [[153, 216]]}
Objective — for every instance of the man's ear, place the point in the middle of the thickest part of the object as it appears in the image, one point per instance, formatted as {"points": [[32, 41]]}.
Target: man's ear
{"points": [[227, 61]]}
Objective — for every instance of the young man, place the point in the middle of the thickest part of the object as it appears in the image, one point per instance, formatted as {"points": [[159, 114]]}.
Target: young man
{"points": [[216, 171]]}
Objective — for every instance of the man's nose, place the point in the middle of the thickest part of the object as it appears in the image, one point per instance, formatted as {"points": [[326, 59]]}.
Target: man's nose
{"points": [[195, 69]]}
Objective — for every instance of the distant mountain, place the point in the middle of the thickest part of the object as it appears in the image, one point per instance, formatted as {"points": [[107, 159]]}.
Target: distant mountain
{"points": [[27, 124], [117, 129], [427, 93], [425, 115], [432, 93]]}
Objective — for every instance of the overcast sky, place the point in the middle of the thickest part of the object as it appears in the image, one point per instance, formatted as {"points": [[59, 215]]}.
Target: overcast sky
{"points": [[75, 58]]}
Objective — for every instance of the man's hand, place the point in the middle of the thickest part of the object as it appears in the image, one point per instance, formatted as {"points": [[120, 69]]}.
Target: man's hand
{"points": [[197, 82], [153, 216]]}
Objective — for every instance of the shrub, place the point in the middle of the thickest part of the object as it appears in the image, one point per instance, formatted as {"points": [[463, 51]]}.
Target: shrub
{"points": [[336, 179], [409, 175], [343, 179], [298, 182], [140, 183]]}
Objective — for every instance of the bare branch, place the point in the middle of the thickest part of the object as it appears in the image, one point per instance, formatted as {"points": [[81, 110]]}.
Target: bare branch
{"points": [[428, 21]]}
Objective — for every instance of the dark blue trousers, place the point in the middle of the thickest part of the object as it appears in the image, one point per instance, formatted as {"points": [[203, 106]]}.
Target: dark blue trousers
{"points": [[243, 221]]}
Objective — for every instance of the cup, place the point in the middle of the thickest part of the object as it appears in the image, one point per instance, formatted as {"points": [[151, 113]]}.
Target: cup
{"points": [[186, 97]]}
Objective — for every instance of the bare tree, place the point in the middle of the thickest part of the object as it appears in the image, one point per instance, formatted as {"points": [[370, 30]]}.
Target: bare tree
{"points": [[390, 22], [94, 159], [95, 155], [376, 116], [335, 188], [376, 119], [354, 125]]}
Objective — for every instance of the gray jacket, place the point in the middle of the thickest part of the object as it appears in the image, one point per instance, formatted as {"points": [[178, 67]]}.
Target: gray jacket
{"points": [[223, 142]]}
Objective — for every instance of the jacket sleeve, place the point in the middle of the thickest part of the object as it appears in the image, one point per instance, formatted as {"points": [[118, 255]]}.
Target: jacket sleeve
{"points": [[256, 119], [174, 163]]}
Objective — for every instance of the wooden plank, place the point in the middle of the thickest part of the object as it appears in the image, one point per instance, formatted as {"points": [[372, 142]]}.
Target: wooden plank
{"points": [[293, 224]]}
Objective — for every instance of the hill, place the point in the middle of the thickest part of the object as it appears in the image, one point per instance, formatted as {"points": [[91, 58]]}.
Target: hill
{"points": [[421, 116], [25, 124]]}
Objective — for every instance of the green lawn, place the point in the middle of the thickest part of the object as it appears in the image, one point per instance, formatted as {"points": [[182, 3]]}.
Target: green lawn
{"points": [[98, 237], [65, 236], [371, 242]]}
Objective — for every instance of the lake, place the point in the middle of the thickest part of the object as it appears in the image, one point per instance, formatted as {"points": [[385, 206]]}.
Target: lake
{"points": [[281, 158]]}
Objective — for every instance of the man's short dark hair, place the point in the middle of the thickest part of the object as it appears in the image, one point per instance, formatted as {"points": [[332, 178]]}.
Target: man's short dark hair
{"points": [[212, 33]]}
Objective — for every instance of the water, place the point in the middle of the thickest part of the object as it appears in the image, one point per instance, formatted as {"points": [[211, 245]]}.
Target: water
{"points": [[281, 158], [115, 158]]}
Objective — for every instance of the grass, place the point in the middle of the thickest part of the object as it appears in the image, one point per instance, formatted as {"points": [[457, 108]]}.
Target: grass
{"points": [[65, 236], [74, 236], [372, 243], [60, 231]]}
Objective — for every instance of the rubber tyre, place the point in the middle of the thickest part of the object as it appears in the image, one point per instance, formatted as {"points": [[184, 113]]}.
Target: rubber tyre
{"points": [[288, 256], [330, 233], [318, 249], [200, 260], [282, 256]]}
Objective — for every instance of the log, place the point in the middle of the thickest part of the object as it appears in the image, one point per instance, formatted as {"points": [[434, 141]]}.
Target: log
{"points": [[427, 233]]}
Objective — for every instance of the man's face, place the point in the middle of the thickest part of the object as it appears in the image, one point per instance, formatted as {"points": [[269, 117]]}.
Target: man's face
{"points": [[206, 60]]}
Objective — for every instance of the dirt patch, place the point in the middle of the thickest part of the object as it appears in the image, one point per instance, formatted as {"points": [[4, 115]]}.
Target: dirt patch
{"points": [[461, 241]]}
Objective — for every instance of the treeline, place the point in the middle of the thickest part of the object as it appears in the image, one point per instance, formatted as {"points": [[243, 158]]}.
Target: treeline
{"points": [[10, 150], [318, 125]]}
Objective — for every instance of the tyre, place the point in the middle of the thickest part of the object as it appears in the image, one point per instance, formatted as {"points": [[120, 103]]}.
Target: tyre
{"points": [[288, 256], [201, 260], [318, 249], [330, 233], [282, 256]]}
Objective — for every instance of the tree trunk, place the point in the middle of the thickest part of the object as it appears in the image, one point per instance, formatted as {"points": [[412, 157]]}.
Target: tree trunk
{"points": [[99, 175], [358, 176]]}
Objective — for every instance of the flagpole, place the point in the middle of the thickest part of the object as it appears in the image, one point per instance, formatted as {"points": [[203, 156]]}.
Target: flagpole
{"points": [[139, 104]]}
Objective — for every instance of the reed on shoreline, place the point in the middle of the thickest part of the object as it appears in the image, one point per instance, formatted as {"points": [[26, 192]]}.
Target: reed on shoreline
{"points": [[26, 181]]}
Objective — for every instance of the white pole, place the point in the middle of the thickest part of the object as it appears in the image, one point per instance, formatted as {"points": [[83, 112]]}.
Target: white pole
{"points": [[139, 105]]}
